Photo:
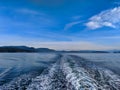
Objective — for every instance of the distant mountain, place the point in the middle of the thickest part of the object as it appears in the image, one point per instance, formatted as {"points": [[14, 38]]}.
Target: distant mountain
{"points": [[23, 49], [114, 51], [32, 49], [44, 50]]}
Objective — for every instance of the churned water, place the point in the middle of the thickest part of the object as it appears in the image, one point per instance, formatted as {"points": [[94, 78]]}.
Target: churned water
{"points": [[50, 71]]}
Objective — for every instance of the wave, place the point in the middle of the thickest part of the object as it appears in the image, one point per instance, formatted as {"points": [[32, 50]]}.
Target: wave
{"points": [[19, 83], [68, 73], [2, 74], [85, 75]]}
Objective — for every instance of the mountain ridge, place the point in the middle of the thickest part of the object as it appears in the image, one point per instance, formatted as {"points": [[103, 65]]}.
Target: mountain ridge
{"points": [[32, 49]]}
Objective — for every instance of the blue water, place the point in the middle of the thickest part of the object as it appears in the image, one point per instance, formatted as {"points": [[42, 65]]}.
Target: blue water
{"points": [[15, 64], [107, 60], [52, 71]]}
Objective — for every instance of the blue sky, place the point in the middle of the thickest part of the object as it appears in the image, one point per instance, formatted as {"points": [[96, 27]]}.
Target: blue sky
{"points": [[61, 24]]}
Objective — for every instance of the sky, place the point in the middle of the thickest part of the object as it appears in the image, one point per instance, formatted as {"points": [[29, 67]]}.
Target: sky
{"points": [[61, 24]]}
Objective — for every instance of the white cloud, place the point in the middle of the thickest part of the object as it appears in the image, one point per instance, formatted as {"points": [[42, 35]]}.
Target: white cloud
{"points": [[69, 25], [93, 25], [107, 18]]}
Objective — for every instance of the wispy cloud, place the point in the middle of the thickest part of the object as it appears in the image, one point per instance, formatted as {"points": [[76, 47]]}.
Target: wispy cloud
{"points": [[77, 17], [29, 11], [107, 18], [58, 45], [26, 19], [111, 37], [82, 45], [117, 3], [65, 45], [69, 25]]}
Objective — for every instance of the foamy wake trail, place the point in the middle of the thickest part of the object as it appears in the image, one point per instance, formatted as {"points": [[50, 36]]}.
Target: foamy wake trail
{"points": [[75, 73], [68, 73], [19, 83], [85, 75], [51, 79], [77, 76]]}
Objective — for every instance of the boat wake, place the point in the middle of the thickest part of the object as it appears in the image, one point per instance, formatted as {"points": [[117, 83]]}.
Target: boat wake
{"points": [[68, 73]]}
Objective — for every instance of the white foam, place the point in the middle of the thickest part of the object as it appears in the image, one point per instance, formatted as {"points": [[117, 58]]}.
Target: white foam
{"points": [[73, 74]]}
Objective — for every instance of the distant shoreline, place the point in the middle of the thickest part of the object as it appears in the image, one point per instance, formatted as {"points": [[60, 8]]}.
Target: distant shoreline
{"points": [[25, 49]]}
